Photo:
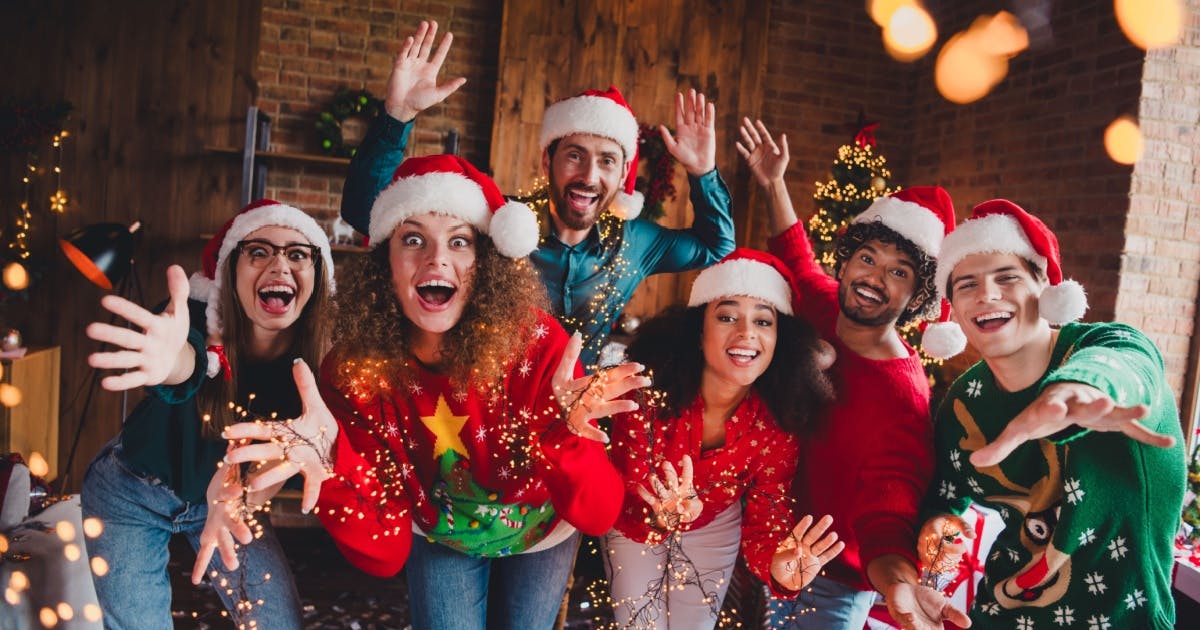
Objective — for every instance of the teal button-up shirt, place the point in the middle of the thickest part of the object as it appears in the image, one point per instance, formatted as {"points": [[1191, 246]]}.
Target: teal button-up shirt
{"points": [[590, 283]]}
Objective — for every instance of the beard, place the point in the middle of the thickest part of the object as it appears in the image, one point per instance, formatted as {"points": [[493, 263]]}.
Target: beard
{"points": [[888, 316], [572, 218]]}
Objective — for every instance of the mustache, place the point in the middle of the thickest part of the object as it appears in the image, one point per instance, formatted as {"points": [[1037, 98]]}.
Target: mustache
{"points": [[582, 188]]}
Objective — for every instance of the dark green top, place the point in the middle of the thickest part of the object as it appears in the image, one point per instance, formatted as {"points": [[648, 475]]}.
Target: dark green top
{"points": [[589, 283], [163, 436], [1089, 517]]}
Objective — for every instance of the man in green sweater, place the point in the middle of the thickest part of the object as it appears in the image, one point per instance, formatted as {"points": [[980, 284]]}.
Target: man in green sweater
{"points": [[1034, 431]]}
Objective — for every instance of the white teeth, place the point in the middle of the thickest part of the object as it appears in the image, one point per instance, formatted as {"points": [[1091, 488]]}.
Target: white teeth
{"points": [[870, 295], [436, 283], [278, 288], [990, 316], [740, 352], [579, 193]]}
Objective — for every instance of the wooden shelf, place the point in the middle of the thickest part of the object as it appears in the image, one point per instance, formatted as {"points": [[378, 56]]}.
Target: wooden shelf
{"points": [[287, 156]]}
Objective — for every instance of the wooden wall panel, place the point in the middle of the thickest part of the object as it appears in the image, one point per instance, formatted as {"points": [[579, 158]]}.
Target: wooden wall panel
{"points": [[152, 83], [650, 51]]}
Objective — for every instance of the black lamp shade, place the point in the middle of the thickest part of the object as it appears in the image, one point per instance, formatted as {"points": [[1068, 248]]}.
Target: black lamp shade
{"points": [[100, 251]]}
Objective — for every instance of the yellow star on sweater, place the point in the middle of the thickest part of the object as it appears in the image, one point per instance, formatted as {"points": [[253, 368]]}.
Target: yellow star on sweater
{"points": [[445, 426]]}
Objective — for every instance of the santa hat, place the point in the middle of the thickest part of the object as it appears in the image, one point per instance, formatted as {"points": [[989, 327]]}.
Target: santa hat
{"points": [[450, 185], [746, 272], [922, 214], [604, 114], [942, 339], [205, 285], [1001, 226]]}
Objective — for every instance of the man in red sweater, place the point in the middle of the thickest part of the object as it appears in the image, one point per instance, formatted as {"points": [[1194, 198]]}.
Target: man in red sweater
{"points": [[870, 457]]}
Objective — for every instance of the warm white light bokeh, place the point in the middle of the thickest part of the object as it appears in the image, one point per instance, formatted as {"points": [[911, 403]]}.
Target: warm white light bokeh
{"points": [[15, 276], [38, 465], [976, 60], [910, 33], [1123, 140], [1150, 23]]}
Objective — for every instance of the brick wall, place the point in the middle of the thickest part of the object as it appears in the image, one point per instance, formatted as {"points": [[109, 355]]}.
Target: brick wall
{"points": [[826, 62], [1160, 268], [311, 48]]}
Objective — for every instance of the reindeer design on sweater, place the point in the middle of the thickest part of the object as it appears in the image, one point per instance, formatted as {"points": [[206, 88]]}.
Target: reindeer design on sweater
{"points": [[1045, 578]]}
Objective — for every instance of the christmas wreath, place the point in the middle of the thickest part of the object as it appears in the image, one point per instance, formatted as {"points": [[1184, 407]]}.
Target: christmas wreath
{"points": [[658, 185], [346, 104]]}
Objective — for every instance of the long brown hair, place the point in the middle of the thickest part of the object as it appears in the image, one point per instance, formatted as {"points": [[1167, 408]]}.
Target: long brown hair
{"points": [[218, 398], [493, 331]]}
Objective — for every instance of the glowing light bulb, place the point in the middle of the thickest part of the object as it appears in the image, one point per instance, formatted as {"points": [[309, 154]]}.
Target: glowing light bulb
{"points": [[38, 465], [1123, 140], [99, 566], [10, 396], [15, 276], [1150, 23], [910, 32], [93, 527], [65, 530]]}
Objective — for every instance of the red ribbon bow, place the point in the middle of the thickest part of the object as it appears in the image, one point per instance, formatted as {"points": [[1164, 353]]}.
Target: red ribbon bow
{"points": [[866, 135]]}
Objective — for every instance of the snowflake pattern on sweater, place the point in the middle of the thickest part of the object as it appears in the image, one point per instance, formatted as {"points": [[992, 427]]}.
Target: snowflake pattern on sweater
{"points": [[1089, 517]]}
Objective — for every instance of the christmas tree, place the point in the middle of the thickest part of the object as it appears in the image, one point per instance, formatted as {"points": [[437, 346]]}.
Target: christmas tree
{"points": [[858, 177]]}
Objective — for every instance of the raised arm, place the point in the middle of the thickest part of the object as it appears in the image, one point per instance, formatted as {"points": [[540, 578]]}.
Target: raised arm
{"points": [[768, 162], [411, 89], [711, 236]]}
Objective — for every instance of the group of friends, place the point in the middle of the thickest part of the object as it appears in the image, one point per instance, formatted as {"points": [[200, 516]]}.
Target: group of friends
{"points": [[459, 427]]}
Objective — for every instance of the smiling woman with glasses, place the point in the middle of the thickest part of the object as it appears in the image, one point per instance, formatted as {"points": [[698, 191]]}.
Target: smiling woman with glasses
{"points": [[223, 355], [259, 253]]}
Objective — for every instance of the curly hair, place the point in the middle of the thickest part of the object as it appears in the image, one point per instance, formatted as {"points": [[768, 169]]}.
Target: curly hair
{"points": [[924, 303], [492, 332], [310, 342], [793, 387]]}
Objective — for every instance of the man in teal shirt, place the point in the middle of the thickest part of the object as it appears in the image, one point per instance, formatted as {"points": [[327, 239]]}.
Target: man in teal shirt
{"points": [[590, 259]]}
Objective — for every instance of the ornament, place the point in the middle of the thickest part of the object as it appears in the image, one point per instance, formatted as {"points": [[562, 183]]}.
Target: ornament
{"points": [[11, 340], [878, 183]]}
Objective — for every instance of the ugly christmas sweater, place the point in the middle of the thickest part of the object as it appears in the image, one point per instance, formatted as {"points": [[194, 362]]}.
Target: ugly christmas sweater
{"points": [[1089, 516], [870, 457], [488, 471], [757, 463]]}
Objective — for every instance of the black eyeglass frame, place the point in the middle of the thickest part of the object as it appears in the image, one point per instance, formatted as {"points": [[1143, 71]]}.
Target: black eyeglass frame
{"points": [[314, 252]]}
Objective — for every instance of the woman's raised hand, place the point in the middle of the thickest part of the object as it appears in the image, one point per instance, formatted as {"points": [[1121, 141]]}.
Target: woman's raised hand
{"points": [[301, 445], [806, 549], [674, 499], [159, 353], [594, 396]]}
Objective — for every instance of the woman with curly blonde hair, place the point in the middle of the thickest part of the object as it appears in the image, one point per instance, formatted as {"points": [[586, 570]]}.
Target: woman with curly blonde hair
{"points": [[458, 440]]}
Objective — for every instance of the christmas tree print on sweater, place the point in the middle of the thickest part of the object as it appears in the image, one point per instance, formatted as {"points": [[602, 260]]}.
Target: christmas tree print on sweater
{"points": [[1089, 517]]}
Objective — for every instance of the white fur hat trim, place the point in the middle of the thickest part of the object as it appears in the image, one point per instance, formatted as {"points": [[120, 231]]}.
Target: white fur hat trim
{"points": [[744, 277], [910, 220], [445, 193], [594, 115], [991, 234]]}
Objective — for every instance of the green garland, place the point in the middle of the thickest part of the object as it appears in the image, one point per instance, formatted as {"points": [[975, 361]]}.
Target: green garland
{"points": [[346, 103]]}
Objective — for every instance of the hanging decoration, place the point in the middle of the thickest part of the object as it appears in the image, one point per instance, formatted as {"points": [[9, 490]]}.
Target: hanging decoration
{"points": [[341, 126]]}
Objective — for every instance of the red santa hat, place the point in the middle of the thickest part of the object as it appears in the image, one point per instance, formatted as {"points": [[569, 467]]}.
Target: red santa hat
{"points": [[205, 285], [450, 185], [604, 114], [746, 272], [1001, 226], [922, 214]]}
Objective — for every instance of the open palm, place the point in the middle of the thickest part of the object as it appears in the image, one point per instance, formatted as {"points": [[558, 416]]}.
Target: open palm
{"points": [[412, 87], [767, 161]]}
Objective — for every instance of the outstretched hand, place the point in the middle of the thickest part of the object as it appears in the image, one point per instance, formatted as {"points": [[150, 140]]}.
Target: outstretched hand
{"points": [[1061, 406], [767, 161], [917, 607], [412, 87], [226, 521], [806, 549], [301, 445], [674, 499], [694, 144], [159, 353], [594, 396]]}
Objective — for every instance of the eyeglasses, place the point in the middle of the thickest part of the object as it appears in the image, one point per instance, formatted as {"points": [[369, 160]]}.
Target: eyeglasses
{"points": [[259, 254]]}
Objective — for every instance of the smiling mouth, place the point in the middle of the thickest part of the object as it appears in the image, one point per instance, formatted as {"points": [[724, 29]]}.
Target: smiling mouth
{"points": [[581, 197], [742, 356], [868, 294], [276, 299], [436, 292], [992, 321]]}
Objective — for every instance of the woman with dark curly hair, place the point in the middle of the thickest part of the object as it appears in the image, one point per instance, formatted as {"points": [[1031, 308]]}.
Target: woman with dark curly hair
{"points": [[738, 378], [458, 440]]}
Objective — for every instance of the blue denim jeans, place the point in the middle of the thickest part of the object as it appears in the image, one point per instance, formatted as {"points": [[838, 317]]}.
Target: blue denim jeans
{"points": [[449, 590], [824, 605], [139, 515]]}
